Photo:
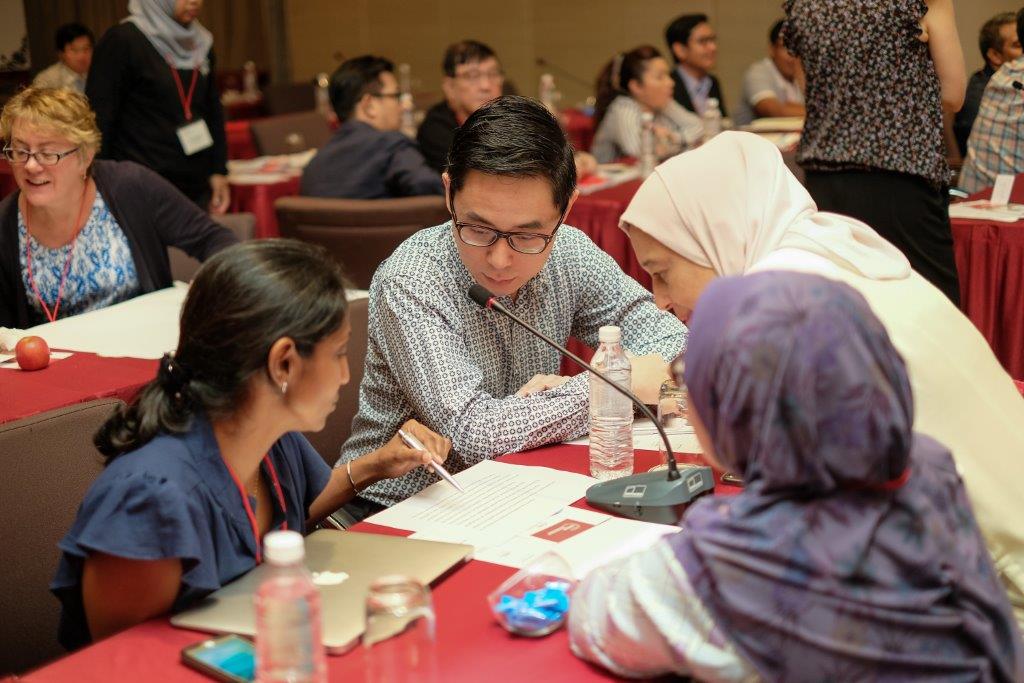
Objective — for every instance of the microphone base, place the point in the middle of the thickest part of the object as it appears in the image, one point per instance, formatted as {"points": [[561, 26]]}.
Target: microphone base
{"points": [[651, 496]]}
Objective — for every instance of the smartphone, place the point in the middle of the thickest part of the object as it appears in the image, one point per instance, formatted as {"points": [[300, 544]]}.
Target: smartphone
{"points": [[228, 658]]}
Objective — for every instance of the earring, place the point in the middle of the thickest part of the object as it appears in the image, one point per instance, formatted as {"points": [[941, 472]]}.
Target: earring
{"points": [[284, 387]]}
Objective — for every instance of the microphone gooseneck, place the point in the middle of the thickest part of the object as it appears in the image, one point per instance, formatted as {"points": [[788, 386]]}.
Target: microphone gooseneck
{"points": [[483, 297]]}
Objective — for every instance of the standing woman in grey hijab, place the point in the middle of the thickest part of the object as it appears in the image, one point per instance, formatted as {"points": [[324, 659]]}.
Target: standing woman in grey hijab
{"points": [[152, 86]]}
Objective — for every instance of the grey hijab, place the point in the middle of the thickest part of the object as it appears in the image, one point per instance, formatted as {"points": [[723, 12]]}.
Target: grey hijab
{"points": [[186, 47]]}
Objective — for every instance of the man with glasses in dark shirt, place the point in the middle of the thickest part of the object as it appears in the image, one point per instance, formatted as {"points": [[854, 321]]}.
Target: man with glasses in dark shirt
{"points": [[461, 370], [368, 157], [472, 76]]}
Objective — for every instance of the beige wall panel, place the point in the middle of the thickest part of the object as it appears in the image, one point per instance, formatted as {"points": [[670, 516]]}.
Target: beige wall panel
{"points": [[579, 35]]}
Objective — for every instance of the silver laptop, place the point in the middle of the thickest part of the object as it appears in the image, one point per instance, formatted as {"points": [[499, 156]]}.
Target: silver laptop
{"points": [[362, 557]]}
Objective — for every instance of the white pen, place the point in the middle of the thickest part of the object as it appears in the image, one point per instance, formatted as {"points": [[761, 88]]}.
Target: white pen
{"points": [[414, 443]]}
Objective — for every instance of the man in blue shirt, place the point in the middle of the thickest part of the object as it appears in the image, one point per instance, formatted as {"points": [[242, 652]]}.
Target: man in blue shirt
{"points": [[694, 45], [368, 158]]}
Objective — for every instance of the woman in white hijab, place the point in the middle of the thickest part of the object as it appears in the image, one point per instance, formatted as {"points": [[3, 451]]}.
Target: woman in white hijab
{"points": [[732, 207], [152, 88]]}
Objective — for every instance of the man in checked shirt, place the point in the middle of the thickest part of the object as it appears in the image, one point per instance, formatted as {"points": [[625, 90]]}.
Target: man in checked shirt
{"points": [[467, 372]]}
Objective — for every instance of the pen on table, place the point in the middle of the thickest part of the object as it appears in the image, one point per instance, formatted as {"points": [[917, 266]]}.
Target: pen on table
{"points": [[412, 442]]}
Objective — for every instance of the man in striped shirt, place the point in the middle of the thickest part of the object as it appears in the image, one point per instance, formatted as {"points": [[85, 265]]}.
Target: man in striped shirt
{"points": [[996, 144]]}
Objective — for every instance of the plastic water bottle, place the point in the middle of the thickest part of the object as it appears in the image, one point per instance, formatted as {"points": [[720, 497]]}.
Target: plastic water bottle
{"points": [[611, 413], [321, 94], [548, 94], [250, 81], [408, 124], [288, 644], [712, 119], [648, 159]]}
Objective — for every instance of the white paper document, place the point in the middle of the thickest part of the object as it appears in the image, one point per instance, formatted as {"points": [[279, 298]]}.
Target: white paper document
{"points": [[500, 500], [583, 538], [983, 209], [143, 327]]}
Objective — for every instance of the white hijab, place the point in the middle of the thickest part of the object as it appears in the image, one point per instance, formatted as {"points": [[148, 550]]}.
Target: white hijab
{"points": [[732, 201], [185, 46]]}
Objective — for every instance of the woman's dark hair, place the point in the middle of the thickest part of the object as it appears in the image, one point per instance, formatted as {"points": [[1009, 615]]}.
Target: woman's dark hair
{"points": [[464, 52], [615, 77], [69, 33], [355, 78], [776, 31], [517, 137], [243, 300]]}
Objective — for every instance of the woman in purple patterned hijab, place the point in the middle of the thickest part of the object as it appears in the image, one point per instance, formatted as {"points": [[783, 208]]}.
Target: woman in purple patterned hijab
{"points": [[853, 553]]}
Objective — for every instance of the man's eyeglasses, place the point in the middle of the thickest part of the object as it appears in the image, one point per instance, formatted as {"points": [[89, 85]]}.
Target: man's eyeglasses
{"points": [[477, 76], [21, 156], [392, 95], [482, 236]]}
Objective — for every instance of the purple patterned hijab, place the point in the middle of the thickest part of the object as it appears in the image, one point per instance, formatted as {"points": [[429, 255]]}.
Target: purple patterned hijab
{"points": [[852, 554]]}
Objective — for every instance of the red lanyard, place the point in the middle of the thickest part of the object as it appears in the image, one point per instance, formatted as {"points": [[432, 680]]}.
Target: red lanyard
{"points": [[67, 264], [248, 508], [186, 100]]}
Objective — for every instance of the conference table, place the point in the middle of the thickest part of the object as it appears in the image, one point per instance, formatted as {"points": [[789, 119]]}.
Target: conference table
{"points": [[79, 378], [990, 260], [471, 646]]}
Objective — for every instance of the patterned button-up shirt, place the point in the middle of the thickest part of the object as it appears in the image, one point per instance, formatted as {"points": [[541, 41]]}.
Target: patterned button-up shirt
{"points": [[996, 144], [435, 355]]}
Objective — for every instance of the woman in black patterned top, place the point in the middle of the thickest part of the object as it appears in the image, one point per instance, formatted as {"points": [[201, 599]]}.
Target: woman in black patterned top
{"points": [[880, 74]]}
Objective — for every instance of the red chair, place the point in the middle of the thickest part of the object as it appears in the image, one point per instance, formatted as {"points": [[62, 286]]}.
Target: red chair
{"points": [[1020, 386]]}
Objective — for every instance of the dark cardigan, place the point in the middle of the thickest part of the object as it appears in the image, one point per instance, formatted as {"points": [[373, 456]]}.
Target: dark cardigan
{"points": [[151, 212]]}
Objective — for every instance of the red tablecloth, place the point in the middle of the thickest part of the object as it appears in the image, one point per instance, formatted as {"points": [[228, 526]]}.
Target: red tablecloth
{"points": [[471, 645], [7, 184], [579, 128], [598, 215], [241, 144], [259, 200], [79, 378], [990, 259]]}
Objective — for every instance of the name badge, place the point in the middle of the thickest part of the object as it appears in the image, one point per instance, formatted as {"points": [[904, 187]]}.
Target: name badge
{"points": [[195, 137]]}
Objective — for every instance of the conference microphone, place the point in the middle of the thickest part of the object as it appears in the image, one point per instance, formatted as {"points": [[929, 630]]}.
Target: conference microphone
{"points": [[563, 72], [652, 496]]}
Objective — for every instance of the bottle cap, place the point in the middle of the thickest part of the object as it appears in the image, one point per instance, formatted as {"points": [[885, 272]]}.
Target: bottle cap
{"points": [[284, 547], [609, 334], [712, 103]]}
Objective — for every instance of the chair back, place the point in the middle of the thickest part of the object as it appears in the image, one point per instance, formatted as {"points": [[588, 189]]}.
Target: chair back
{"points": [[289, 133], [48, 462], [329, 440], [358, 233], [184, 267]]}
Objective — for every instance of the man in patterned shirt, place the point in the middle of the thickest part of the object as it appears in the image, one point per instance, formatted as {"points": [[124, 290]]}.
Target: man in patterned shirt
{"points": [[996, 144], [467, 372]]}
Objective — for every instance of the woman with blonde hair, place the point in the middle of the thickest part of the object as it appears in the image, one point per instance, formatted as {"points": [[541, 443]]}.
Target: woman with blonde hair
{"points": [[81, 234]]}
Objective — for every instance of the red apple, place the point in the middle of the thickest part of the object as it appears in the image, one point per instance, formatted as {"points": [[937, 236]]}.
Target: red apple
{"points": [[32, 353]]}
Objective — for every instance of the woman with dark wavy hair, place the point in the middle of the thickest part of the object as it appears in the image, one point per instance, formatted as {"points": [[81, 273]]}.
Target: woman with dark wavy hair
{"points": [[210, 457]]}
